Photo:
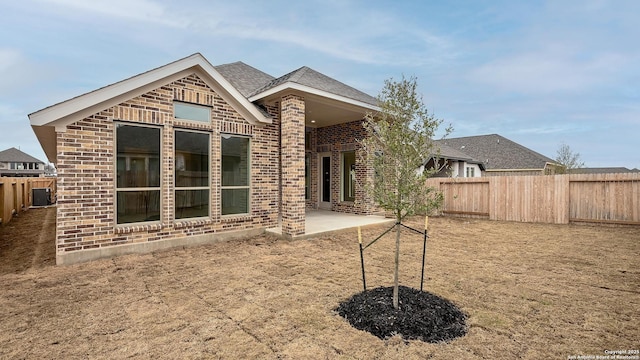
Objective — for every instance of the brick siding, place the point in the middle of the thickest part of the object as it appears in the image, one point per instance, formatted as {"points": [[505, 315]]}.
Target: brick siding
{"points": [[86, 170], [337, 139]]}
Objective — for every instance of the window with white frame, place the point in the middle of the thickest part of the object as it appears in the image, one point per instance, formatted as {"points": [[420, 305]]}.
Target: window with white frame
{"points": [[137, 173], [235, 175], [470, 171], [192, 184]]}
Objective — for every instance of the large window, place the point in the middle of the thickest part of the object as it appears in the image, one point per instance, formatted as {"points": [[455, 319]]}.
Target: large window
{"points": [[191, 174], [137, 173], [235, 175], [348, 176]]}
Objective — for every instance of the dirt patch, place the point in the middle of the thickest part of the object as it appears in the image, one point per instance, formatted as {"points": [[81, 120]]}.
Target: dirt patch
{"points": [[531, 291], [28, 241], [420, 315]]}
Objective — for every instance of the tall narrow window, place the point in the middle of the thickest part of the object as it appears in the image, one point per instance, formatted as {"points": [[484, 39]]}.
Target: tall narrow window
{"points": [[307, 176], [349, 176], [191, 174], [137, 173], [235, 175]]}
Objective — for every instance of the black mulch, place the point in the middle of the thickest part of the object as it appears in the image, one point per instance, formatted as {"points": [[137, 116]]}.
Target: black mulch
{"points": [[421, 315]]}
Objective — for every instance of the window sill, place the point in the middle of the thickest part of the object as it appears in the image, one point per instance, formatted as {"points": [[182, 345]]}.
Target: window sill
{"points": [[182, 223], [125, 229], [236, 217]]}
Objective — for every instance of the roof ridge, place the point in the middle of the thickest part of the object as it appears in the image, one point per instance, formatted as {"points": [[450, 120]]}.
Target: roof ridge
{"points": [[299, 73], [528, 149]]}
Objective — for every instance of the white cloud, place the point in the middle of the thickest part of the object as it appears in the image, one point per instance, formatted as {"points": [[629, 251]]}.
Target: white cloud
{"points": [[20, 135], [371, 38], [17, 71], [550, 71], [8, 58], [138, 10]]}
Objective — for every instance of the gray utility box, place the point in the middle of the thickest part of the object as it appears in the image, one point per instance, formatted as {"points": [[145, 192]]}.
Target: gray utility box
{"points": [[41, 197]]}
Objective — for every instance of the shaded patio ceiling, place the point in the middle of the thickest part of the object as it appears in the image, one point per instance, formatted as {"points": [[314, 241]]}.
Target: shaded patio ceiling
{"points": [[321, 111]]}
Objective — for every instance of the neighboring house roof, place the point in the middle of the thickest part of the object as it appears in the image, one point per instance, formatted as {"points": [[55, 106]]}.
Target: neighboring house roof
{"points": [[499, 153], [44, 122], [601, 170], [449, 153], [15, 155], [308, 77]]}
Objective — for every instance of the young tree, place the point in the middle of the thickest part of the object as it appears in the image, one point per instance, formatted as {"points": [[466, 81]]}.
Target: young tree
{"points": [[398, 140], [569, 159]]}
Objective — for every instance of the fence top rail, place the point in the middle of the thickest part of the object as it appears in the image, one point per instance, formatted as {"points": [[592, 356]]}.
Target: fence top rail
{"points": [[570, 177], [603, 180]]}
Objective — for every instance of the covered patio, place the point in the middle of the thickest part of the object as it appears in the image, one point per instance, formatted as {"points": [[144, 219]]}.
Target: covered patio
{"points": [[323, 222]]}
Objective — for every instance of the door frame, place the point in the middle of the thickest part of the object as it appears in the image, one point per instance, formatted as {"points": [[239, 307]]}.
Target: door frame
{"points": [[323, 204]]}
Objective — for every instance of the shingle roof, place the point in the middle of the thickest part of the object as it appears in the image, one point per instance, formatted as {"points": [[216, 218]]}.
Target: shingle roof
{"points": [[601, 170], [450, 153], [498, 152], [15, 155], [243, 77], [313, 79]]}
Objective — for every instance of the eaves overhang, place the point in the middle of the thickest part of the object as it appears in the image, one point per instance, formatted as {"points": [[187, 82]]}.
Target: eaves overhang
{"points": [[275, 92], [56, 118]]}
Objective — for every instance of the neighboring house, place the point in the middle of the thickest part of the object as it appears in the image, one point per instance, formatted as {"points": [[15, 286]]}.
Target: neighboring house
{"points": [[189, 153], [16, 163], [453, 163], [501, 156], [601, 170]]}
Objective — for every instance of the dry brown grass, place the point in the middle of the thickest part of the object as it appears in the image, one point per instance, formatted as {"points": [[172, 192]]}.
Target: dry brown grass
{"points": [[532, 291]]}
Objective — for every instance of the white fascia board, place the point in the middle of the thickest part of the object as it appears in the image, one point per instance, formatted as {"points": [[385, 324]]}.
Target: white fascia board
{"points": [[295, 86], [79, 107]]}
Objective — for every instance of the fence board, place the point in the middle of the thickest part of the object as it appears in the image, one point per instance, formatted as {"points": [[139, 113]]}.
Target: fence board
{"points": [[16, 194], [614, 199], [560, 199]]}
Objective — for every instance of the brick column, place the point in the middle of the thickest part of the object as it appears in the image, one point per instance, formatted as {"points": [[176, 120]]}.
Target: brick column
{"points": [[292, 150]]}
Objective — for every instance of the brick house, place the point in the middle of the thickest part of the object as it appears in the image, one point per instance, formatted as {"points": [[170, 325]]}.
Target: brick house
{"points": [[190, 153]]}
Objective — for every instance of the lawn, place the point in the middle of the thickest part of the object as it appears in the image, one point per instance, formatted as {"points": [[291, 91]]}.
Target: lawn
{"points": [[531, 291]]}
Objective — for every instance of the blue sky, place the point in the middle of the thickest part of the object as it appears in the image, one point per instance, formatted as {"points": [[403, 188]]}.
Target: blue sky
{"points": [[541, 73]]}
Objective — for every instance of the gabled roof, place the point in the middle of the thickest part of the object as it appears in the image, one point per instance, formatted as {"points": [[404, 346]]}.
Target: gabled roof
{"points": [[243, 77], [449, 153], [309, 80], [256, 84], [497, 152], [15, 155], [56, 117]]}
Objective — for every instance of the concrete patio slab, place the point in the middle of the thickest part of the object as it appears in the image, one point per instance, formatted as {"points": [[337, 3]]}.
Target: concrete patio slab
{"points": [[322, 222]]}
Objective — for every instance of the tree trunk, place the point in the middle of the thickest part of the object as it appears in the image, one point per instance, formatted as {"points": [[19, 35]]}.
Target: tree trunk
{"points": [[395, 273]]}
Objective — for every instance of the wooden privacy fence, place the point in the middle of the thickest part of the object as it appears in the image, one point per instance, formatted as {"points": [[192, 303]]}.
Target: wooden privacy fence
{"points": [[557, 199], [16, 194]]}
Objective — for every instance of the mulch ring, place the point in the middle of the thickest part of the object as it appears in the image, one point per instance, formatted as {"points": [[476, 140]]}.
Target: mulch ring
{"points": [[421, 315]]}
